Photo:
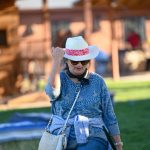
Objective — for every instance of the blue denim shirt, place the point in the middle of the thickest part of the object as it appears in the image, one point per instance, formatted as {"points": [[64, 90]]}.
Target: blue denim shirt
{"points": [[94, 102]]}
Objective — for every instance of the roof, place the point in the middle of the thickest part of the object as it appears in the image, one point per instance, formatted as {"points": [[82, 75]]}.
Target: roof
{"points": [[123, 4], [7, 3]]}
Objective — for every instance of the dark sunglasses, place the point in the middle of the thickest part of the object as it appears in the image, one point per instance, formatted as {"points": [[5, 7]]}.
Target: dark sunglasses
{"points": [[85, 62]]}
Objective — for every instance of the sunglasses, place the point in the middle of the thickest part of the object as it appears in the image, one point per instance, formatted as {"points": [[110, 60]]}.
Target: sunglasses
{"points": [[85, 62]]}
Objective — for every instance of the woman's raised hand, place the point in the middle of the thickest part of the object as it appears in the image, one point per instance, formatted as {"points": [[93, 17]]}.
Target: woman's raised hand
{"points": [[57, 54], [57, 57]]}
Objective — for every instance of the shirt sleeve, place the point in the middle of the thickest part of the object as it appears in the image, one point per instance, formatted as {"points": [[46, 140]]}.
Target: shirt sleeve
{"points": [[109, 116], [53, 93]]}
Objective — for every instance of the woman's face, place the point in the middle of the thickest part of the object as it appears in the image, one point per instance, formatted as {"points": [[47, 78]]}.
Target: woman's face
{"points": [[78, 67]]}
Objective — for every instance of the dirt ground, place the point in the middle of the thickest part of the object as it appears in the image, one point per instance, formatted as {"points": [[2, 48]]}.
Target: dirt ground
{"points": [[32, 100]]}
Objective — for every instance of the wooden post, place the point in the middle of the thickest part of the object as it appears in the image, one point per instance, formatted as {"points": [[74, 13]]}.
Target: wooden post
{"points": [[47, 28], [88, 19], [114, 49], [47, 39]]}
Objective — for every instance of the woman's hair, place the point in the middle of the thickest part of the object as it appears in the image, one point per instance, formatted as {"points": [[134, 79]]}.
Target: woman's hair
{"points": [[64, 64]]}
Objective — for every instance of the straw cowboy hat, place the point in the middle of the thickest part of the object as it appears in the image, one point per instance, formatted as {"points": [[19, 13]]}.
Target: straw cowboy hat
{"points": [[77, 49]]}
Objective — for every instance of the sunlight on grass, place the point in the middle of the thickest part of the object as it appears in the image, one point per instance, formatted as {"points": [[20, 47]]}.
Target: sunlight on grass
{"points": [[129, 90]]}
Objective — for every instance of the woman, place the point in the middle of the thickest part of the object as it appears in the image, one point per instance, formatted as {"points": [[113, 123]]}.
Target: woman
{"points": [[93, 108]]}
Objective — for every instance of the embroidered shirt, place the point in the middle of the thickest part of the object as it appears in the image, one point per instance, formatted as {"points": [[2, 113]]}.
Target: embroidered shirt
{"points": [[93, 102]]}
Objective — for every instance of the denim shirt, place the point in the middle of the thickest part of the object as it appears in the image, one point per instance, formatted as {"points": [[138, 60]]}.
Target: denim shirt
{"points": [[93, 102]]}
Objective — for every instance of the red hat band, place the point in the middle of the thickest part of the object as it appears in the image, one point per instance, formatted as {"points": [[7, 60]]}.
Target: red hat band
{"points": [[81, 52]]}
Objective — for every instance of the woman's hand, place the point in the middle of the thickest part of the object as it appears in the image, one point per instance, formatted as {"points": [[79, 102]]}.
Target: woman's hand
{"points": [[57, 54], [118, 143], [119, 147], [57, 57]]}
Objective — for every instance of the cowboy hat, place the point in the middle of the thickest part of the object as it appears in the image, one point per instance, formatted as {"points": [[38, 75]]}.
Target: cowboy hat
{"points": [[77, 49]]}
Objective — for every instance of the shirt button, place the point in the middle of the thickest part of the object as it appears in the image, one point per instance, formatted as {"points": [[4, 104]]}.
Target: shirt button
{"points": [[77, 89]]}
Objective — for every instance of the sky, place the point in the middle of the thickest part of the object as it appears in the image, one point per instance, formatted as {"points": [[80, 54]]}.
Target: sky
{"points": [[36, 4]]}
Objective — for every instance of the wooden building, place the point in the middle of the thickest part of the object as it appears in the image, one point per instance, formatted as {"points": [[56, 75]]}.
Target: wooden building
{"points": [[28, 35], [9, 49], [106, 23]]}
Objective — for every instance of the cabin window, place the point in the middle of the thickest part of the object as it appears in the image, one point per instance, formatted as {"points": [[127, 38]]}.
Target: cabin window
{"points": [[3, 38], [136, 24], [59, 29]]}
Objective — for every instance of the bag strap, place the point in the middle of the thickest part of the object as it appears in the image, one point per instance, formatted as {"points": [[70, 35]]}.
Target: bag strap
{"points": [[65, 124], [109, 138], [49, 122]]}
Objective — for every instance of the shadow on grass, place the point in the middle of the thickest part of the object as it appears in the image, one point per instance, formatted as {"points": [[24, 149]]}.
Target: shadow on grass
{"points": [[134, 121], [6, 115]]}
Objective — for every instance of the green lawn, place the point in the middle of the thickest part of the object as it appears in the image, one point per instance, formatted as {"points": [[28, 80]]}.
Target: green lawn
{"points": [[132, 108], [5, 115], [134, 120], [129, 90]]}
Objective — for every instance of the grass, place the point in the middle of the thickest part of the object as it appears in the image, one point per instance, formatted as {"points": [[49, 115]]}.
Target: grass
{"points": [[130, 90], [132, 110], [20, 145], [5, 115], [134, 123]]}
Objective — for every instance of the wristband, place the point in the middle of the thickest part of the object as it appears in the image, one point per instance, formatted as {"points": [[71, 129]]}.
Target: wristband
{"points": [[118, 143]]}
